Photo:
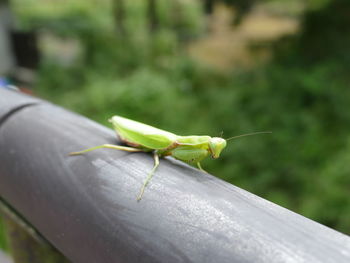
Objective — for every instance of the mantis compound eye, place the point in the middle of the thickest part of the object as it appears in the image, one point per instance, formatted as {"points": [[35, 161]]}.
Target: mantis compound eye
{"points": [[216, 145]]}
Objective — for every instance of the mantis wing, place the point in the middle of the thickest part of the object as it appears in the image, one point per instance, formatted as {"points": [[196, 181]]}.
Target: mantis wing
{"points": [[137, 133]]}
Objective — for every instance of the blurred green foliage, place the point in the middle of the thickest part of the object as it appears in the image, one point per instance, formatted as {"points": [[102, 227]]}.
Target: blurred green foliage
{"points": [[302, 95], [3, 243]]}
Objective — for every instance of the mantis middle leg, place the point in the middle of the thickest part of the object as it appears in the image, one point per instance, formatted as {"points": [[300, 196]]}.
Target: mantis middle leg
{"points": [[150, 175]]}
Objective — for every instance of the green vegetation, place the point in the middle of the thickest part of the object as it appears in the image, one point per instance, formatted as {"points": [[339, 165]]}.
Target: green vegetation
{"points": [[302, 95], [3, 243]]}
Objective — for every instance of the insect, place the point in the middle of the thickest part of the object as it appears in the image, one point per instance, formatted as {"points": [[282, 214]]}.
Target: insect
{"points": [[144, 138]]}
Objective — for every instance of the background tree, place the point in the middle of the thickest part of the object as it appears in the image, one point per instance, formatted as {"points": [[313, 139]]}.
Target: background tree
{"points": [[153, 19], [119, 16]]}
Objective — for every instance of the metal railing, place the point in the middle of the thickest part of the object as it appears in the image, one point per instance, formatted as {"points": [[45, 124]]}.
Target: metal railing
{"points": [[86, 206]]}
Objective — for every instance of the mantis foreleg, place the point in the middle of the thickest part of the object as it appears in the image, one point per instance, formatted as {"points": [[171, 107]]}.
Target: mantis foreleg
{"points": [[150, 175], [110, 146], [190, 154], [200, 167]]}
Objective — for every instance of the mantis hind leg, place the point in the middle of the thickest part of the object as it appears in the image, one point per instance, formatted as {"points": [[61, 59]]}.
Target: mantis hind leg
{"points": [[150, 175], [110, 146]]}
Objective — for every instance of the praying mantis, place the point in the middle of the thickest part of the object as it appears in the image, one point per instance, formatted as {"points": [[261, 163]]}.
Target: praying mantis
{"points": [[141, 137]]}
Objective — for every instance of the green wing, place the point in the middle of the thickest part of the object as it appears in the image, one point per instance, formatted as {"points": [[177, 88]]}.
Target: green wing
{"points": [[134, 132]]}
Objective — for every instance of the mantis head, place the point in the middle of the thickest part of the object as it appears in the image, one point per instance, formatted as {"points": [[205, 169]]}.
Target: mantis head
{"points": [[216, 145]]}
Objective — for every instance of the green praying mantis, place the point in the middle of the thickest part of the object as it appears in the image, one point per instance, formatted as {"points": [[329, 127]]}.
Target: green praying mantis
{"points": [[141, 137]]}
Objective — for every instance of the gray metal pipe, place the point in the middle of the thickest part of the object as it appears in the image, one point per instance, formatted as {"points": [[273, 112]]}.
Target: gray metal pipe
{"points": [[86, 205]]}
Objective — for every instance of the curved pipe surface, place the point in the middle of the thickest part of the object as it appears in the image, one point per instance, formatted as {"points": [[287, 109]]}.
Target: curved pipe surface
{"points": [[86, 205]]}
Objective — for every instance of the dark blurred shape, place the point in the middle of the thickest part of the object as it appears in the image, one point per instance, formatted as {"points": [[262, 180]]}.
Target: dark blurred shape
{"points": [[18, 50], [119, 16], [153, 16], [242, 7], [25, 48], [326, 32], [208, 6], [7, 60]]}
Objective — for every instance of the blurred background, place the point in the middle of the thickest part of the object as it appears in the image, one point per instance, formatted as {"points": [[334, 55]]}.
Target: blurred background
{"points": [[205, 67]]}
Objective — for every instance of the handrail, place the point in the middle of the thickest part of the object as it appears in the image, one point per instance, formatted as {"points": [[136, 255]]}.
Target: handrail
{"points": [[86, 205]]}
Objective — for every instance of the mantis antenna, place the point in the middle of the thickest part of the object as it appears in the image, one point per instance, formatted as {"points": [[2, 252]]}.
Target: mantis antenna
{"points": [[248, 134]]}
